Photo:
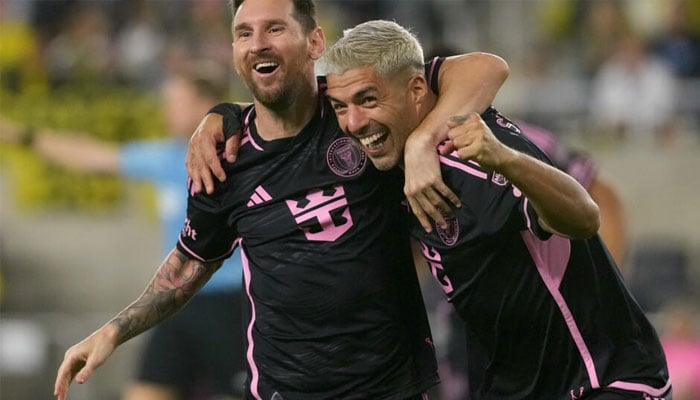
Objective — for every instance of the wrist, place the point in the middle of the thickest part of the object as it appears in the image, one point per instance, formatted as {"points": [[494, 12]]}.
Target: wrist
{"points": [[419, 140], [231, 114]]}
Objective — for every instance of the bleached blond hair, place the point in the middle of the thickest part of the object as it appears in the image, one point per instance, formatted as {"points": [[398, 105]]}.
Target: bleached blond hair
{"points": [[386, 45]]}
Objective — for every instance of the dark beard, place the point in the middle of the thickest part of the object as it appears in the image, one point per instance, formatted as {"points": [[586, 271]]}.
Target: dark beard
{"points": [[277, 101]]}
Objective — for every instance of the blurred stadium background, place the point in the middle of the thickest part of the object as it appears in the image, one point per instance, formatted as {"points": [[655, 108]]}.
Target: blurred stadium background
{"points": [[618, 79]]}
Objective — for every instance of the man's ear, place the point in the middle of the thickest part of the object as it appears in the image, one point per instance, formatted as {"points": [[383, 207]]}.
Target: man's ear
{"points": [[317, 43], [418, 88]]}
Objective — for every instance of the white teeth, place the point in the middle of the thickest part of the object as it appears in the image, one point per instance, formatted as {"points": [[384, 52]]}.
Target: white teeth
{"points": [[265, 65], [368, 141]]}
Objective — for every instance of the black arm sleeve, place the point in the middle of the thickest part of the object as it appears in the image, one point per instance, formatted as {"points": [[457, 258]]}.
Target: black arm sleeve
{"points": [[233, 116]]}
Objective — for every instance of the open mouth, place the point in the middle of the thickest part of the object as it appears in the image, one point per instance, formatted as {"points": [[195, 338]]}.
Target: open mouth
{"points": [[266, 67], [374, 141]]}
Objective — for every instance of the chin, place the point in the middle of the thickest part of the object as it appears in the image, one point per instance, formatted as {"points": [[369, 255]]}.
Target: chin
{"points": [[383, 163]]}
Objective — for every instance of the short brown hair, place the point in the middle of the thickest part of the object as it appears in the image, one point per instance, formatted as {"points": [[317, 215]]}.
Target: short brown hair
{"points": [[304, 12]]}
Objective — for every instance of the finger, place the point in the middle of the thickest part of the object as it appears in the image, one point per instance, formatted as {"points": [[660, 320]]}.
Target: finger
{"points": [[427, 201], [207, 181], [195, 181], [196, 186], [433, 205], [447, 193], [213, 164], [420, 215], [85, 373], [446, 147], [60, 387], [232, 146], [63, 378]]}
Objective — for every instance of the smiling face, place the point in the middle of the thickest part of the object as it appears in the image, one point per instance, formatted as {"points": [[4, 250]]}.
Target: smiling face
{"points": [[377, 113], [272, 52]]}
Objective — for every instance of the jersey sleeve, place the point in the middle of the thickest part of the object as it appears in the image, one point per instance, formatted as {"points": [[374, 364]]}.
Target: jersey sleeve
{"points": [[432, 71], [232, 117], [207, 234], [521, 213]]}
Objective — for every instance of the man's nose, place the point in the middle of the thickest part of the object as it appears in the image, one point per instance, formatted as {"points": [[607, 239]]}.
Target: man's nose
{"points": [[357, 120], [259, 42]]}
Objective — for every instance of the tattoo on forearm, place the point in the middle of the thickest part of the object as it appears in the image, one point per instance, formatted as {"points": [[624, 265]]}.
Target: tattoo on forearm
{"points": [[460, 118], [173, 285]]}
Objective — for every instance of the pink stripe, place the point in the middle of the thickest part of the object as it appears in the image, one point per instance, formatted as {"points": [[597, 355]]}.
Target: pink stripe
{"points": [[263, 193], [255, 375], [200, 258], [551, 258], [432, 69], [248, 137], [463, 167], [640, 387], [528, 221], [190, 187], [255, 199], [322, 91]]}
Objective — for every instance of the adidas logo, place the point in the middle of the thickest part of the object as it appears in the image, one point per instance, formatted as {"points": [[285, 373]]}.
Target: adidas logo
{"points": [[259, 196]]}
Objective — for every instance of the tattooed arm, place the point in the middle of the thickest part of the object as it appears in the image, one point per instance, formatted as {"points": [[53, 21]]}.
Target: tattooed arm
{"points": [[177, 279]]}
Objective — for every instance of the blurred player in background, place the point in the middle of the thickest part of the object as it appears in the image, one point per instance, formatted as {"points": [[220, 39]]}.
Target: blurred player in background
{"points": [[197, 354]]}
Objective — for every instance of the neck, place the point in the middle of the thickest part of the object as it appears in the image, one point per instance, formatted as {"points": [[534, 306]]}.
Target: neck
{"points": [[289, 120]]}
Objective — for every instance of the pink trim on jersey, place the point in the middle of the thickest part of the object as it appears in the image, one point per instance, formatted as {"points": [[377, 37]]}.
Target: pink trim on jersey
{"points": [[463, 167], [528, 221], [432, 69], [202, 259], [322, 93], [640, 387], [247, 137], [551, 258], [255, 374]]}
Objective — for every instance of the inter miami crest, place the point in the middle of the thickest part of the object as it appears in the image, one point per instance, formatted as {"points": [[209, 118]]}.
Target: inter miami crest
{"points": [[345, 158]]}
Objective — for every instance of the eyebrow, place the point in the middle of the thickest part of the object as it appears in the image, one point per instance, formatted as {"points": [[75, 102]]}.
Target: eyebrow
{"points": [[358, 95], [246, 25]]}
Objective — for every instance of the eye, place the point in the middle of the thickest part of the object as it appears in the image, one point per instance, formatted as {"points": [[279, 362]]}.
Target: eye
{"points": [[369, 101], [338, 107], [243, 34]]}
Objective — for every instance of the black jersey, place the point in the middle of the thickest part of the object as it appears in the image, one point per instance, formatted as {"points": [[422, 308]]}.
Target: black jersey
{"points": [[334, 307], [553, 314]]}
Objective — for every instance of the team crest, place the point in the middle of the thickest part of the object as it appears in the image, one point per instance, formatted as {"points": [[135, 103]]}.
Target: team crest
{"points": [[450, 234], [345, 158], [499, 179]]}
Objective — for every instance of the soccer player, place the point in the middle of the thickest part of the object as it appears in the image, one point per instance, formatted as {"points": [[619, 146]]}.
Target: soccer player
{"points": [[520, 260], [334, 307]]}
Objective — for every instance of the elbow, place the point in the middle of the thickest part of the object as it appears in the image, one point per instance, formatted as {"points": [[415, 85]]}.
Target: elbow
{"points": [[497, 65], [501, 67], [589, 222]]}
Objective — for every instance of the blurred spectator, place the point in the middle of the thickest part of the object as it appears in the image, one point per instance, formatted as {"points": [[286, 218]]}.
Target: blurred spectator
{"points": [[48, 17], [681, 341], [605, 23], [20, 54], [82, 51], [679, 45], [140, 43], [208, 30], [633, 95]]}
